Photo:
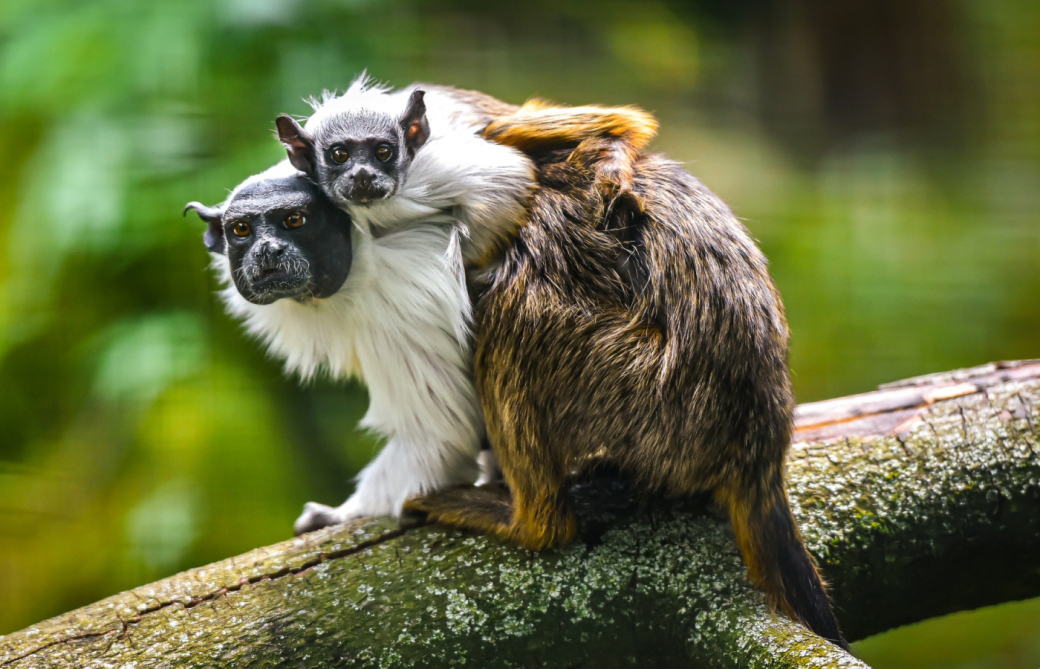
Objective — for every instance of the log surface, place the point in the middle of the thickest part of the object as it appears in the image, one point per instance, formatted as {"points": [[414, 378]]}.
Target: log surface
{"points": [[917, 500]]}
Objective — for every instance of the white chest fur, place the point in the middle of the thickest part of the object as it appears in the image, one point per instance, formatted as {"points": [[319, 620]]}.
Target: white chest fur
{"points": [[401, 323]]}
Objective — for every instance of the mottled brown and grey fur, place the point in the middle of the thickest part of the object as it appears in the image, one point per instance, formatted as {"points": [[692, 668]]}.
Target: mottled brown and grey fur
{"points": [[641, 330]]}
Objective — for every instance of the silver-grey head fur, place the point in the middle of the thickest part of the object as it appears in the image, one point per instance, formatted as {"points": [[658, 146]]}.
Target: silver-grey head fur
{"points": [[358, 147]]}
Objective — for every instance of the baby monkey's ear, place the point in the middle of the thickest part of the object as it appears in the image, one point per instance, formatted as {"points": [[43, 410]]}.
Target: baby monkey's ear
{"points": [[214, 235], [413, 121], [298, 143]]}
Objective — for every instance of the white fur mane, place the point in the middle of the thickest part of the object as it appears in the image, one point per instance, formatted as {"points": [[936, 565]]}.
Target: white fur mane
{"points": [[401, 323]]}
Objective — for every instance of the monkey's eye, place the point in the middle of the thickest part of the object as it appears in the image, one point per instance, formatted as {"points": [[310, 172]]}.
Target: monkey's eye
{"points": [[294, 220], [384, 152], [339, 154], [241, 229]]}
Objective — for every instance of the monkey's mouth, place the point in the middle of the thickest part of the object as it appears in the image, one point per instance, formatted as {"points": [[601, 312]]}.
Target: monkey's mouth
{"points": [[367, 194], [272, 286]]}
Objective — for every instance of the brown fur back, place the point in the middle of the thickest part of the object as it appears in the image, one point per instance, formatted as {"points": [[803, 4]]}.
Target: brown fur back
{"points": [[636, 324], [653, 338]]}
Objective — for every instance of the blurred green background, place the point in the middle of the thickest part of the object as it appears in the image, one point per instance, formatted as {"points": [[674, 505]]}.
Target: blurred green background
{"points": [[886, 153]]}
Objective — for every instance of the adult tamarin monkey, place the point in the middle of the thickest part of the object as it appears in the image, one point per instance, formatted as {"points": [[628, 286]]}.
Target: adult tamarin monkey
{"points": [[633, 321], [630, 320]]}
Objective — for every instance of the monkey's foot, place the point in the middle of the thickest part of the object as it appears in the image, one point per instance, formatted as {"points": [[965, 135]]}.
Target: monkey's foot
{"points": [[316, 516], [613, 176], [487, 509], [612, 162]]}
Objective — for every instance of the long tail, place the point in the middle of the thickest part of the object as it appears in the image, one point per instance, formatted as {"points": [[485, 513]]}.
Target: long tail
{"points": [[776, 558]]}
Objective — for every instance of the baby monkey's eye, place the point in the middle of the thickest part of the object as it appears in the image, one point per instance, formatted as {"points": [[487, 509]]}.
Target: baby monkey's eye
{"points": [[384, 152], [294, 220], [241, 229], [339, 154]]}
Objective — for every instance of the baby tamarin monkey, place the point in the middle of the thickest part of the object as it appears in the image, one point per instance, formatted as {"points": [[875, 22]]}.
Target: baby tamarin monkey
{"points": [[390, 159]]}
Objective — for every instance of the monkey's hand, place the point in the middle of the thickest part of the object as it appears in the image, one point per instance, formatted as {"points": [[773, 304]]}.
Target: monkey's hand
{"points": [[365, 503], [316, 516], [368, 502], [400, 471]]}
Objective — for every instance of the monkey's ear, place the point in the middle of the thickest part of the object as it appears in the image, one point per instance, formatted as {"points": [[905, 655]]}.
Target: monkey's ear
{"points": [[298, 143], [413, 121], [214, 235]]}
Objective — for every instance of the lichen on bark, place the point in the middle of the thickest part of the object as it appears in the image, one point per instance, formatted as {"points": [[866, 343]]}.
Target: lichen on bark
{"points": [[932, 483]]}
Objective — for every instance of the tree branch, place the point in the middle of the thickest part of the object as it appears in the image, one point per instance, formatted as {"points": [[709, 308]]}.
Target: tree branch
{"points": [[919, 499]]}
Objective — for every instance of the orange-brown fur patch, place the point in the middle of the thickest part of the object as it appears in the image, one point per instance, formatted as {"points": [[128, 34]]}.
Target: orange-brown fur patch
{"points": [[540, 125]]}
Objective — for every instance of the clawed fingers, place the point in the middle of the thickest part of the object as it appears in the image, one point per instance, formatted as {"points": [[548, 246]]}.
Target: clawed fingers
{"points": [[314, 517]]}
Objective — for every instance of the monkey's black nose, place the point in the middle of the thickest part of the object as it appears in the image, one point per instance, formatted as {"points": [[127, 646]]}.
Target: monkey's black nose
{"points": [[362, 179], [268, 255]]}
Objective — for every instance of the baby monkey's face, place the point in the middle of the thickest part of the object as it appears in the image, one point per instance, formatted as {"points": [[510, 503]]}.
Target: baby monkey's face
{"points": [[357, 155], [360, 160], [283, 239]]}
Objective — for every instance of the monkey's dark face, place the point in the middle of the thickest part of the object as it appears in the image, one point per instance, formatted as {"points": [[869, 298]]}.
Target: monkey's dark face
{"points": [[283, 239], [360, 156], [359, 160]]}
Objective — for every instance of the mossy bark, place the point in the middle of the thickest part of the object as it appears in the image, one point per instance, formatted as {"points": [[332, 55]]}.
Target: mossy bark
{"points": [[917, 500]]}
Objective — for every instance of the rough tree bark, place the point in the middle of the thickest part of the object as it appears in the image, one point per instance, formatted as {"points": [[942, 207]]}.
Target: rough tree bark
{"points": [[919, 499]]}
